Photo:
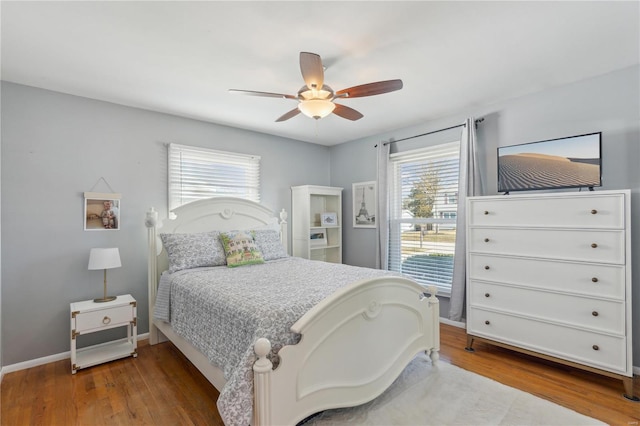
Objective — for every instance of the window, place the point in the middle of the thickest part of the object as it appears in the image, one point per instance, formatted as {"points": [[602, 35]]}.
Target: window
{"points": [[422, 214], [198, 173]]}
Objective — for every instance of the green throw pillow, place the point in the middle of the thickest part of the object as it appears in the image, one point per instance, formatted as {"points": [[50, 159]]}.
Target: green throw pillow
{"points": [[240, 248]]}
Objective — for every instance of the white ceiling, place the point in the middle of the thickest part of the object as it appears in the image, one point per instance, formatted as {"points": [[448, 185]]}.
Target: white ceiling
{"points": [[181, 57]]}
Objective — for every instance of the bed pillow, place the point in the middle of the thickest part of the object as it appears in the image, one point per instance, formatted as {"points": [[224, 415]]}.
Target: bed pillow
{"points": [[240, 248], [268, 241], [193, 250]]}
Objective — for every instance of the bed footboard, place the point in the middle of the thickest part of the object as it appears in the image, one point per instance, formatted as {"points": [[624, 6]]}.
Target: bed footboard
{"points": [[354, 345]]}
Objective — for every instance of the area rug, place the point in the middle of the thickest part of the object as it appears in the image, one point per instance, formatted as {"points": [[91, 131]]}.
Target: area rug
{"points": [[448, 395]]}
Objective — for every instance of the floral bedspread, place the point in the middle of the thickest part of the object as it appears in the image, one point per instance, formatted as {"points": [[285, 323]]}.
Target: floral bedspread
{"points": [[222, 311]]}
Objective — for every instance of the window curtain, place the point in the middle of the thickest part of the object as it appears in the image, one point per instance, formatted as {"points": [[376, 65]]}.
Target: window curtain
{"points": [[469, 184], [382, 206]]}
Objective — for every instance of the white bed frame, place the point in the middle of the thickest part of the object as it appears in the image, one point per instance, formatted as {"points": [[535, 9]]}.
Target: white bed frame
{"points": [[354, 343]]}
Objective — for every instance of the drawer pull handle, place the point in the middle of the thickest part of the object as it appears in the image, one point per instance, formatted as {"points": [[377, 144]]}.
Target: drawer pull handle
{"points": [[594, 313], [596, 347], [594, 245], [594, 279], [486, 240], [487, 295], [486, 267], [486, 212], [594, 211], [106, 320], [487, 322]]}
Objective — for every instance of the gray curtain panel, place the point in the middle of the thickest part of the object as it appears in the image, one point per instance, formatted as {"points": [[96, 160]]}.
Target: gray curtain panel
{"points": [[382, 208], [469, 184]]}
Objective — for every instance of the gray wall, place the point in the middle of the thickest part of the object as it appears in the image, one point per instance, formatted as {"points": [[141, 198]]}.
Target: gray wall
{"points": [[54, 148], [609, 103]]}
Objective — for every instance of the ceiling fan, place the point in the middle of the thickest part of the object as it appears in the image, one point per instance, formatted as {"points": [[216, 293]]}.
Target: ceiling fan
{"points": [[316, 99]]}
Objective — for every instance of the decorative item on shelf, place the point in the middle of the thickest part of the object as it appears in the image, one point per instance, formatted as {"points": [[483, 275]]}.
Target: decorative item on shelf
{"points": [[318, 238], [104, 258], [101, 209], [364, 204], [329, 219]]}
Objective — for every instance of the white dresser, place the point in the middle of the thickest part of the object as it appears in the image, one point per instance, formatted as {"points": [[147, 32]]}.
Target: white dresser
{"points": [[550, 275]]}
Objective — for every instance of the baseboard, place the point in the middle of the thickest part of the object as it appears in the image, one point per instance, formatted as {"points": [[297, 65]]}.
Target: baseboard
{"points": [[65, 355], [47, 359], [453, 323]]}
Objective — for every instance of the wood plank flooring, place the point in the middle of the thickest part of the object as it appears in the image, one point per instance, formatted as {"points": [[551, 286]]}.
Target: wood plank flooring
{"points": [[161, 387]]}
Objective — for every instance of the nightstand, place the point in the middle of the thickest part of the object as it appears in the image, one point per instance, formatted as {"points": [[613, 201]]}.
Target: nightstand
{"points": [[90, 317]]}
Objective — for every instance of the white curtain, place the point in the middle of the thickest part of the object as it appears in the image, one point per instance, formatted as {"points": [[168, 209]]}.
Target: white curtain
{"points": [[382, 206], [469, 184]]}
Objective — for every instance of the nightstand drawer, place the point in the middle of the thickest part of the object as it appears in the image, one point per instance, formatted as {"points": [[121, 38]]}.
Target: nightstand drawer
{"points": [[103, 318]]}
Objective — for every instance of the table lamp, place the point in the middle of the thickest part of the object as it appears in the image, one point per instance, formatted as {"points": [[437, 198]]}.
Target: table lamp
{"points": [[104, 258]]}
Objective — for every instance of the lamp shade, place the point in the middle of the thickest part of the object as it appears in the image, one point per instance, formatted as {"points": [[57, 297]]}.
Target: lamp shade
{"points": [[104, 258], [316, 108]]}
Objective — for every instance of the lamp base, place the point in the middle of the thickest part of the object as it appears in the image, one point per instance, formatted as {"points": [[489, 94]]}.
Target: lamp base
{"points": [[105, 299]]}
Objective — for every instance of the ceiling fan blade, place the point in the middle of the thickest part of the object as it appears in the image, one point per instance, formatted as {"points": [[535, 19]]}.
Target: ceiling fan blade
{"points": [[265, 94], [370, 89], [346, 112], [289, 115], [312, 70]]}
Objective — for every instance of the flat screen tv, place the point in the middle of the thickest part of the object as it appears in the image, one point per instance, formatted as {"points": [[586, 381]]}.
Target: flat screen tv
{"points": [[571, 162]]}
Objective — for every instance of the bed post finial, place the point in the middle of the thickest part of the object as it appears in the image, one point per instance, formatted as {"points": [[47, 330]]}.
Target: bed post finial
{"points": [[152, 218], [284, 236], [435, 319], [262, 369]]}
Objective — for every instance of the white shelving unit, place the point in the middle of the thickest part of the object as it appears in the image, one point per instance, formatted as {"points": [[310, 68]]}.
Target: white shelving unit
{"points": [[308, 204]]}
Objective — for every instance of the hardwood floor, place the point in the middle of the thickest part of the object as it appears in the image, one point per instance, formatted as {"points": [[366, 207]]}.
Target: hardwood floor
{"points": [[161, 387]]}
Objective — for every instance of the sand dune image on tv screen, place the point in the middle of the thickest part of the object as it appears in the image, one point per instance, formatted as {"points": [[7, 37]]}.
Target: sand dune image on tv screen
{"points": [[539, 171]]}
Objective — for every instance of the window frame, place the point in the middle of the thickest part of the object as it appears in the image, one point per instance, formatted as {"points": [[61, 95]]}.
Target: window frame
{"points": [[398, 223]]}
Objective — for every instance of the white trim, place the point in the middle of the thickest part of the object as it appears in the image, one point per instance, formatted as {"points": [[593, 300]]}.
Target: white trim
{"points": [[453, 323], [51, 358]]}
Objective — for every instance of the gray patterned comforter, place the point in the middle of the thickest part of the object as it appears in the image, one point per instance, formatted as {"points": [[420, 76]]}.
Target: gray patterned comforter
{"points": [[223, 311]]}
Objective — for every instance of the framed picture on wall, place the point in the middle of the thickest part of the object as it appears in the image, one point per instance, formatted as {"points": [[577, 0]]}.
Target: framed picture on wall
{"points": [[101, 211], [364, 204]]}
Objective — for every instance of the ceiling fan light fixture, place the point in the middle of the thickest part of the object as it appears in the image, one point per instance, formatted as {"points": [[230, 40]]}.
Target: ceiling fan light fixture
{"points": [[316, 108]]}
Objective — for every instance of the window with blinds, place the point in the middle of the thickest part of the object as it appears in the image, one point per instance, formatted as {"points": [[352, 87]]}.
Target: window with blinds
{"points": [[198, 173], [423, 203]]}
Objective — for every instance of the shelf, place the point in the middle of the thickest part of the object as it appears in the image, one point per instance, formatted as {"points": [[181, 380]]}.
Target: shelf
{"points": [[93, 355], [324, 247]]}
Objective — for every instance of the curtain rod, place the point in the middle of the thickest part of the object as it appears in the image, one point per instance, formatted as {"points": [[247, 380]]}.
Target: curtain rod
{"points": [[479, 120]]}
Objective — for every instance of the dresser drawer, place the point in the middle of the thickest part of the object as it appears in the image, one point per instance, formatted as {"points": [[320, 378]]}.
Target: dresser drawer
{"points": [[593, 211], [589, 279], [581, 245], [103, 318], [602, 315], [586, 347]]}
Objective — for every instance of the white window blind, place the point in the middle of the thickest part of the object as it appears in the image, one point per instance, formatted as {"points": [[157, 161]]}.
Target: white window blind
{"points": [[198, 173], [422, 217]]}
